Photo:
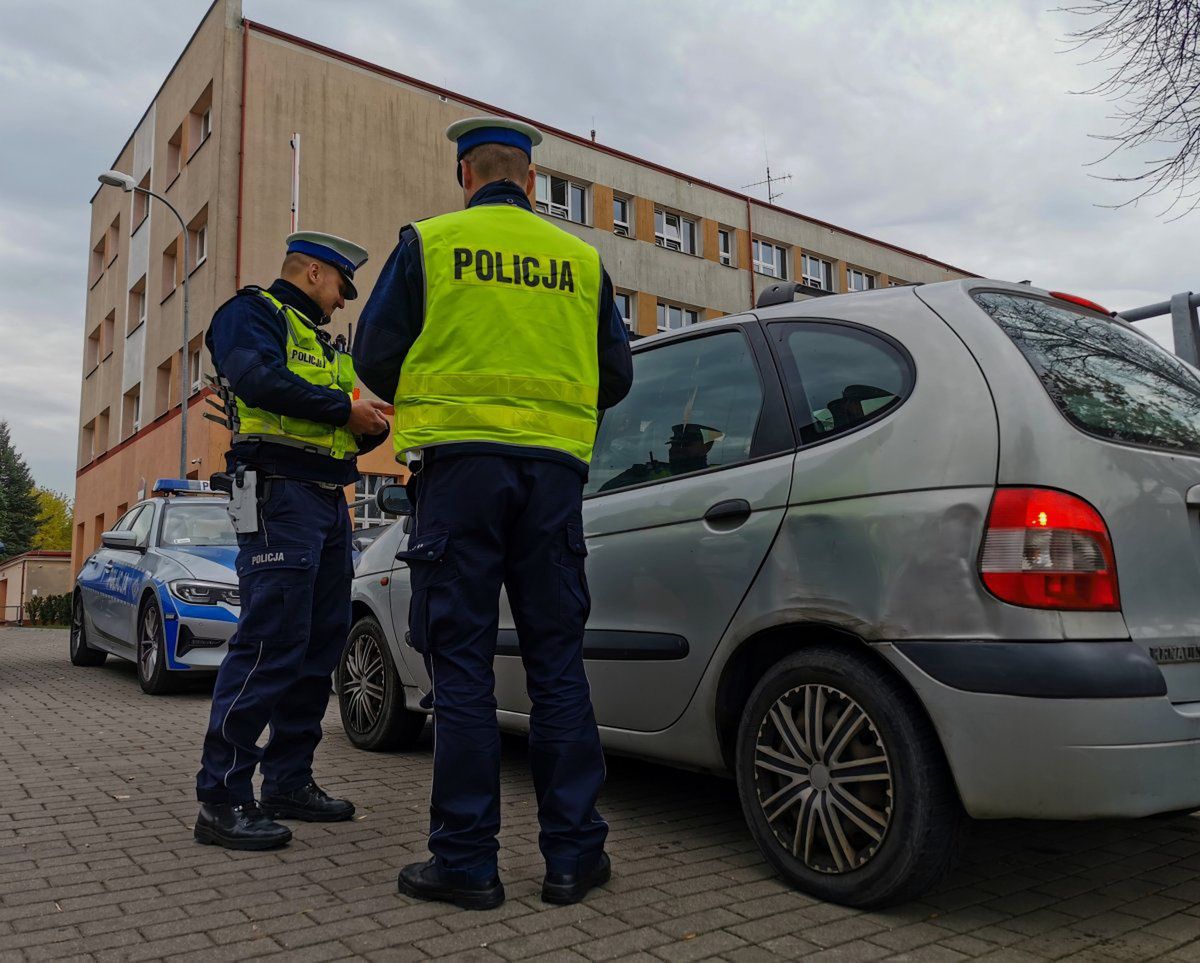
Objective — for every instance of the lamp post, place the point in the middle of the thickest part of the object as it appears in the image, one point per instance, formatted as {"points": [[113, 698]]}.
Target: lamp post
{"points": [[127, 184]]}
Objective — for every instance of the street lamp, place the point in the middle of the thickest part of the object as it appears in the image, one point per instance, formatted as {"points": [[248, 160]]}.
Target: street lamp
{"points": [[128, 185]]}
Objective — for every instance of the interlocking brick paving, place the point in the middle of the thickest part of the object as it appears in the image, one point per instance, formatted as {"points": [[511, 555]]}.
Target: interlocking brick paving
{"points": [[97, 860]]}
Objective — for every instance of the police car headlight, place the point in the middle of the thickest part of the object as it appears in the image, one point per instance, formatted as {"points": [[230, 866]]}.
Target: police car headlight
{"points": [[205, 593]]}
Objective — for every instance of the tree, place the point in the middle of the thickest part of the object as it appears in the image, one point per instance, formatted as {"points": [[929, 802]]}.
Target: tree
{"points": [[54, 521], [1149, 48], [19, 506]]}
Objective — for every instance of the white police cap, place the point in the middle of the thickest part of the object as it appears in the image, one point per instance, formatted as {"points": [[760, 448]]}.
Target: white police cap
{"points": [[344, 255]]}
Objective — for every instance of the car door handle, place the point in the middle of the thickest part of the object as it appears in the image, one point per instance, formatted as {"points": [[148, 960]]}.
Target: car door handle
{"points": [[732, 509]]}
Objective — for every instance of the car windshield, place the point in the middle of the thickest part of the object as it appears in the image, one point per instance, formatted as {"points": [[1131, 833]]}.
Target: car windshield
{"points": [[197, 524], [1108, 380]]}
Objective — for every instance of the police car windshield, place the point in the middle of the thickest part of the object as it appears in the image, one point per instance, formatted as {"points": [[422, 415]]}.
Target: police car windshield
{"points": [[196, 524]]}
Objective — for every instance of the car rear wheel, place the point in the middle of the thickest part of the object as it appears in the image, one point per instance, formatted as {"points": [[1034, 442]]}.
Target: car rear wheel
{"points": [[153, 675], [370, 695], [843, 782], [82, 654]]}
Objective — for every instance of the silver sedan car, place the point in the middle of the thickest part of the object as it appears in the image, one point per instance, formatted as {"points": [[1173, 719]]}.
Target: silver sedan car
{"points": [[890, 559], [162, 589]]}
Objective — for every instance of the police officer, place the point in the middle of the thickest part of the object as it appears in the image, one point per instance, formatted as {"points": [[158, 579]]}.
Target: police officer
{"points": [[497, 335], [297, 429]]}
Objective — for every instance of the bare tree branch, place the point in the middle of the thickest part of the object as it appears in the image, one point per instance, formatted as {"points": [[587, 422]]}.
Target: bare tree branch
{"points": [[1150, 51]]}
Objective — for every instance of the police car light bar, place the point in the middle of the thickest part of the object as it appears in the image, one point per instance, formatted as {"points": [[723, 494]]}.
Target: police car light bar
{"points": [[181, 486]]}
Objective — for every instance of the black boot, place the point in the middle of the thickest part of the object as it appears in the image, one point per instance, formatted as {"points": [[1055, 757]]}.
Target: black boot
{"points": [[563, 888], [428, 881], [238, 826], [309, 804]]}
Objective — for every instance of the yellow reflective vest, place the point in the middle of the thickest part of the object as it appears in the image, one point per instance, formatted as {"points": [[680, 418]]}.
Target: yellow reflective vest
{"points": [[306, 358], [507, 351]]}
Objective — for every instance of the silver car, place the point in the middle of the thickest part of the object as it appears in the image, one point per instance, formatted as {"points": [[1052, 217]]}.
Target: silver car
{"points": [[891, 559], [162, 589]]}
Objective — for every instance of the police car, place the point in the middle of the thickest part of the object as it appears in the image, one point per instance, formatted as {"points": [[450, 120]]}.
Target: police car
{"points": [[162, 589]]}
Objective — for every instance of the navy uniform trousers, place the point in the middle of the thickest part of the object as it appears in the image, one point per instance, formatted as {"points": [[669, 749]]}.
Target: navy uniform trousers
{"points": [[294, 577], [483, 521]]}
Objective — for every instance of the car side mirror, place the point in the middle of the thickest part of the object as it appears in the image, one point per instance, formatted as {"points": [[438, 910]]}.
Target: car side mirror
{"points": [[393, 500], [122, 540]]}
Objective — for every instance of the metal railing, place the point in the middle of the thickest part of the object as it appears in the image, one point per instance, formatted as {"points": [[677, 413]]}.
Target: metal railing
{"points": [[1185, 322]]}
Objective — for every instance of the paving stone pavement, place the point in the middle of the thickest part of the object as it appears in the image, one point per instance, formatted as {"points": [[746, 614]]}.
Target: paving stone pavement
{"points": [[97, 860]]}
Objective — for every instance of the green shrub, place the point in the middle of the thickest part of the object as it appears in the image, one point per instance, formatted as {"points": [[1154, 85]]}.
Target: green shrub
{"points": [[49, 609]]}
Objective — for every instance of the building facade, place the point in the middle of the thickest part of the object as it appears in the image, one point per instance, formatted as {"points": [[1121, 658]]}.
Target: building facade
{"points": [[219, 141], [30, 575]]}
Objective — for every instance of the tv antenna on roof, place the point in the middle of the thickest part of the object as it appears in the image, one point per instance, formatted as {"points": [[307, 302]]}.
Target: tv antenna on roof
{"points": [[771, 179]]}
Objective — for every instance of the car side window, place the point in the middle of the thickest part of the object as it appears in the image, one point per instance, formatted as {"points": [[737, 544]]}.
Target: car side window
{"points": [[840, 376], [126, 521], [694, 405], [142, 524]]}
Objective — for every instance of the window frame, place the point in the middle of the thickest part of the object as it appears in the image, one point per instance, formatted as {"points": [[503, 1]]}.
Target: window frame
{"points": [[779, 259], [797, 400], [365, 520], [622, 228], [684, 312], [866, 275], [725, 251], [629, 319], [551, 209], [664, 240], [827, 277], [773, 434]]}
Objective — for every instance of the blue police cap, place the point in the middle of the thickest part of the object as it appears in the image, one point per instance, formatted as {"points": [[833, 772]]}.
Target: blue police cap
{"points": [[344, 255], [473, 131]]}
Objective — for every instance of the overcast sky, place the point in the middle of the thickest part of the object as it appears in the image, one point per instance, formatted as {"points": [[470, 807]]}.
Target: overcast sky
{"points": [[945, 127]]}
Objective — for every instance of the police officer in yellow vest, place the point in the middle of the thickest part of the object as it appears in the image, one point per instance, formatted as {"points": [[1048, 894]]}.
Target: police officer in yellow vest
{"points": [[296, 431], [496, 333]]}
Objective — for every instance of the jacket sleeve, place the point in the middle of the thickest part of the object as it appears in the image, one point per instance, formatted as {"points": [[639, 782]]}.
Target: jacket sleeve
{"points": [[248, 344], [616, 361], [391, 319]]}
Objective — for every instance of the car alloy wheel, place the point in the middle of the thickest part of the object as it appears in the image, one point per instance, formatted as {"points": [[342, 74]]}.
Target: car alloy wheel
{"points": [[823, 778], [81, 653], [148, 642], [363, 682]]}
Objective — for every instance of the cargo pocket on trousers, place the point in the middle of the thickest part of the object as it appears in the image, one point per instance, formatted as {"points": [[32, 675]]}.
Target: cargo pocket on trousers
{"points": [[430, 565], [276, 586], [574, 599]]}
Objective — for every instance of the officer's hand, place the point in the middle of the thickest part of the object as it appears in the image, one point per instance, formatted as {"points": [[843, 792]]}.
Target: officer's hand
{"points": [[367, 417]]}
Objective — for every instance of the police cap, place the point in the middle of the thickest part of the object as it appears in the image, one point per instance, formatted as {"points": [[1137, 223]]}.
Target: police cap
{"points": [[344, 255], [473, 131]]}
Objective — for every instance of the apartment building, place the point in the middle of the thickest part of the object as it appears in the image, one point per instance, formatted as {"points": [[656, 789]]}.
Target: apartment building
{"points": [[220, 142]]}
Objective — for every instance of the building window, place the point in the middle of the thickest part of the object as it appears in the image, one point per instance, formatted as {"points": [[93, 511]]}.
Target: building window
{"points": [[205, 124], [100, 443], [194, 369], [174, 155], [816, 273], [672, 316], [368, 487], [87, 442], [136, 316], [107, 334], [896, 283], [131, 414], [560, 197], [199, 121], [91, 355], [624, 303], [725, 245], [675, 232], [621, 222], [859, 280], [770, 259], [198, 239], [141, 202], [113, 240], [170, 267], [96, 266], [162, 388]]}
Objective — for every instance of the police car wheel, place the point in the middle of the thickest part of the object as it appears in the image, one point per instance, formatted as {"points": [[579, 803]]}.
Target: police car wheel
{"points": [[82, 654], [152, 672], [843, 782], [370, 694]]}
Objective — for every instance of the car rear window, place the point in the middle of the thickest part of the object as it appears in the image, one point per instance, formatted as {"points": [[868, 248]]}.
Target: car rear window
{"points": [[1106, 379]]}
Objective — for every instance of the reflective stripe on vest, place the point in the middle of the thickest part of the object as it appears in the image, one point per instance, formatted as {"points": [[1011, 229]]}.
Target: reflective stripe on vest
{"points": [[306, 359], [507, 352]]}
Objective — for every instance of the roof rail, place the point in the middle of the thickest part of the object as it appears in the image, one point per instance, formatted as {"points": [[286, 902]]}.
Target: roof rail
{"points": [[1185, 323], [784, 292]]}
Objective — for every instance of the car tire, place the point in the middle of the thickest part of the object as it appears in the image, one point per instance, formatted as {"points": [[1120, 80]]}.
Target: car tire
{"points": [[153, 675], [370, 694], [886, 829], [82, 654]]}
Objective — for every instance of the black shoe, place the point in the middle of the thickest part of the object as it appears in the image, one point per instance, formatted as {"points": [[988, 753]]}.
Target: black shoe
{"points": [[563, 888], [428, 881], [238, 826], [309, 804]]}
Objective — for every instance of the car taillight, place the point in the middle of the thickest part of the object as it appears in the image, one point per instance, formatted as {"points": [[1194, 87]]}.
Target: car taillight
{"points": [[1049, 550]]}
